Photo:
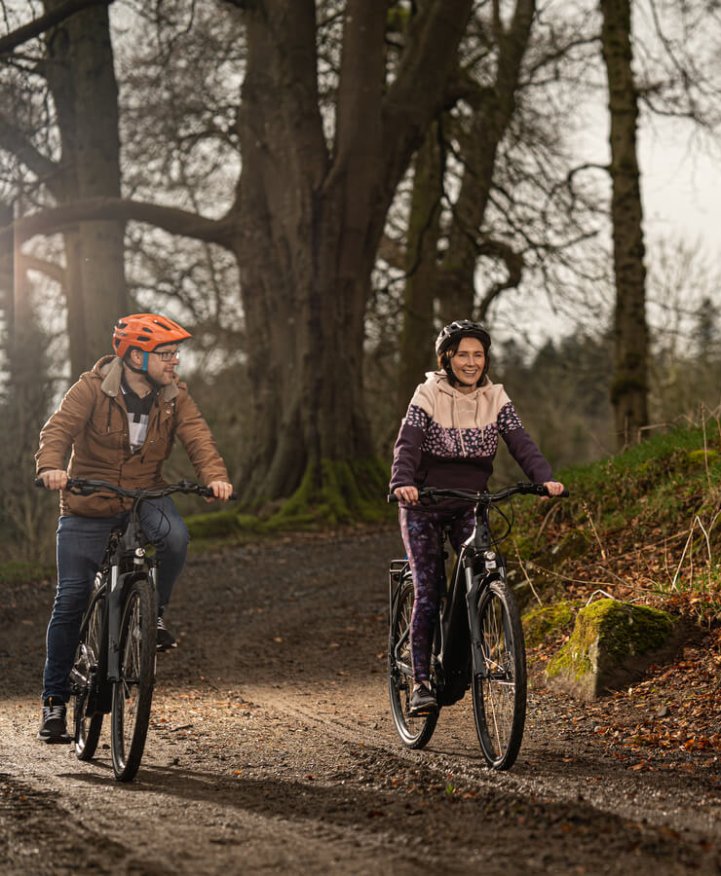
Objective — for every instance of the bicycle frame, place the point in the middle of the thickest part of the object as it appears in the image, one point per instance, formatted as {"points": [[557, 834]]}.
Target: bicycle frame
{"points": [[478, 641], [124, 544], [458, 633], [119, 679]]}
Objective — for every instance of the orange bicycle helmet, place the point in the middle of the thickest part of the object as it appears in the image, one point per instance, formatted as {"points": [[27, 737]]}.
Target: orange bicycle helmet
{"points": [[146, 331]]}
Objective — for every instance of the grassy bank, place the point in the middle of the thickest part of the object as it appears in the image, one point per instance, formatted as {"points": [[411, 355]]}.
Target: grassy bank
{"points": [[642, 526]]}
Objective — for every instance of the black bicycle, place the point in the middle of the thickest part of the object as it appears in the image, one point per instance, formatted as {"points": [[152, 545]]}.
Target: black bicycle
{"points": [[478, 641], [114, 668]]}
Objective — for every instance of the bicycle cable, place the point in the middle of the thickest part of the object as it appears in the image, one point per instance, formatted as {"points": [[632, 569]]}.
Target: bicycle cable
{"points": [[496, 540]]}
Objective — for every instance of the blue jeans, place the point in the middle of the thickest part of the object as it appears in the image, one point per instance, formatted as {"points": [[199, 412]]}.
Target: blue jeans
{"points": [[81, 545]]}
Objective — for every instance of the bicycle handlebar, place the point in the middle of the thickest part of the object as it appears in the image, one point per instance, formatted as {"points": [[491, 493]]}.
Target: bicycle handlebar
{"points": [[84, 487], [483, 498]]}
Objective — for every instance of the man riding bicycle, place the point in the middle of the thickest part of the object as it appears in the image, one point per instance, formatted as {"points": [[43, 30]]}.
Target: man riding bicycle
{"points": [[118, 423]]}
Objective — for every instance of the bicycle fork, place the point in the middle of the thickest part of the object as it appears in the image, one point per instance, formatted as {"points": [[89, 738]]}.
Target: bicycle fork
{"points": [[475, 581], [119, 584]]}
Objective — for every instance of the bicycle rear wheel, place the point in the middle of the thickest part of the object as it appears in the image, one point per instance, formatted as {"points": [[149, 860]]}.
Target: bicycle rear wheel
{"points": [[133, 692], [415, 732], [87, 678], [499, 682]]}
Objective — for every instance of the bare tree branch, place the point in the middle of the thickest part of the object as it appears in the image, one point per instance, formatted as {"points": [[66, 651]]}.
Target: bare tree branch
{"points": [[171, 219], [514, 265], [29, 31], [15, 141], [53, 270]]}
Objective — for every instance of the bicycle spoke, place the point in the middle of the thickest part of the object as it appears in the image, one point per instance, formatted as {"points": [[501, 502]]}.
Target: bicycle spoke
{"points": [[499, 687], [133, 692], [414, 731], [87, 679]]}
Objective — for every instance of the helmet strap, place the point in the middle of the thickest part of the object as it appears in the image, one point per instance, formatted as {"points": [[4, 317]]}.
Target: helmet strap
{"points": [[452, 379], [143, 365]]}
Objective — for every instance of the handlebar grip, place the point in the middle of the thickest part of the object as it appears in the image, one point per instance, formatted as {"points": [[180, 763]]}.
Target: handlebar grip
{"points": [[544, 492], [207, 493], [391, 498], [40, 483]]}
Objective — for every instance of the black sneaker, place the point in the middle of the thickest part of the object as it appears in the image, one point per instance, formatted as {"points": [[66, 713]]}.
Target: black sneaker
{"points": [[423, 701], [53, 727], [165, 639]]}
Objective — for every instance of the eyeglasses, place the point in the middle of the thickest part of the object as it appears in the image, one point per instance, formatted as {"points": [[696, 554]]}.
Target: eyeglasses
{"points": [[167, 355]]}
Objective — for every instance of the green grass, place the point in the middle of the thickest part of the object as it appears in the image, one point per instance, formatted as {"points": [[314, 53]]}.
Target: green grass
{"points": [[628, 519], [21, 572]]}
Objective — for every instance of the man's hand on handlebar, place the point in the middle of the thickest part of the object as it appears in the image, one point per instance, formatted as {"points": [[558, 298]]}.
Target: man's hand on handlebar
{"points": [[407, 494], [221, 490], [554, 488], [54, 479]]}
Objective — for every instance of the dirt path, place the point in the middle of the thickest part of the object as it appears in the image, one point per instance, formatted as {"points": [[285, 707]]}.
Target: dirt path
{"points": [[272, 751]]}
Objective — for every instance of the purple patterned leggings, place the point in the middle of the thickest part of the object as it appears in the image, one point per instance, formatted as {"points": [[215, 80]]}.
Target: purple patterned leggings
{"points": [[422, 532]]}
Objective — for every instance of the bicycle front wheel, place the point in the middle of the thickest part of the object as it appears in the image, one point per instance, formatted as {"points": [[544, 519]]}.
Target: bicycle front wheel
{"points": [[415, 732], [133, 692], [499, 677], [87, 678]]}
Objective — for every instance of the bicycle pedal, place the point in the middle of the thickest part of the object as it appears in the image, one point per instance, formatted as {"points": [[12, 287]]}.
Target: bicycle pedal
{"points": [[422, 712]]}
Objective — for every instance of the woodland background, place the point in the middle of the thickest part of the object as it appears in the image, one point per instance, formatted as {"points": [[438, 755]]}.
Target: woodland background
{"points": [[314, 188]]}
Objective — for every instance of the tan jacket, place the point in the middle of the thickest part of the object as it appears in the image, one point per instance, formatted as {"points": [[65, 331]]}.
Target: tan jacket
{"points": [[91, 425]]}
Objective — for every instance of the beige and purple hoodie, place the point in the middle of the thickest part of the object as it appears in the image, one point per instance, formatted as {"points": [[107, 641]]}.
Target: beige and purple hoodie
{"points": [[448, 439]]}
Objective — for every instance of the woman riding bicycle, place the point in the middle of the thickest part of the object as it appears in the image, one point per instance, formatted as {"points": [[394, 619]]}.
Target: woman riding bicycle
{"points": [[118, 424], [448, 439]]}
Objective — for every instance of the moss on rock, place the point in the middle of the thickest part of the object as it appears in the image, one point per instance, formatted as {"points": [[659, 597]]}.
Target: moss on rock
{"points": [[545, 621], [611, 645]]}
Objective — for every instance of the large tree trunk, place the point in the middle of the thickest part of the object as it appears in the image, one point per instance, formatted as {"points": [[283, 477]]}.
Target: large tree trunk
{"points": [[312, 221], [629, 391], [415, 350], [305, 228], [82, 80]]}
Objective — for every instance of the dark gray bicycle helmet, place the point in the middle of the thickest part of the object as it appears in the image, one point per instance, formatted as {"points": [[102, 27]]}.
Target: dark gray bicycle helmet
{"points": [[452, 334]]}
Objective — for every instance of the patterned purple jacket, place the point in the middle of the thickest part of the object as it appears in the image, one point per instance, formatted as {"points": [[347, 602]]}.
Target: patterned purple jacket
{"points": [[449, 439]]}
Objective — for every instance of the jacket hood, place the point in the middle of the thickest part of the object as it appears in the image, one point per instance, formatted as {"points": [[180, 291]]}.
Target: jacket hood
{"points": [[440, 378], [110, 371]]}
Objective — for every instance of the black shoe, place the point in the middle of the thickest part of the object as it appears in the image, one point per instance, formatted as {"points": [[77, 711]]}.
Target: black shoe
{"points": [[53, 727], [423, 701], [165, 639]]}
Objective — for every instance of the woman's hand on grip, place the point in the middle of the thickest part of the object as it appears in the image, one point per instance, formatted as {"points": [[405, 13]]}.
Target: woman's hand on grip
{"points": [[407, 494]]}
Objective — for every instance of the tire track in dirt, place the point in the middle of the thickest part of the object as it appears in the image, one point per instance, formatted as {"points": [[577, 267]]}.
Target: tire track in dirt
{"points": [[39, 836], [636, 843], [272, 749]]}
